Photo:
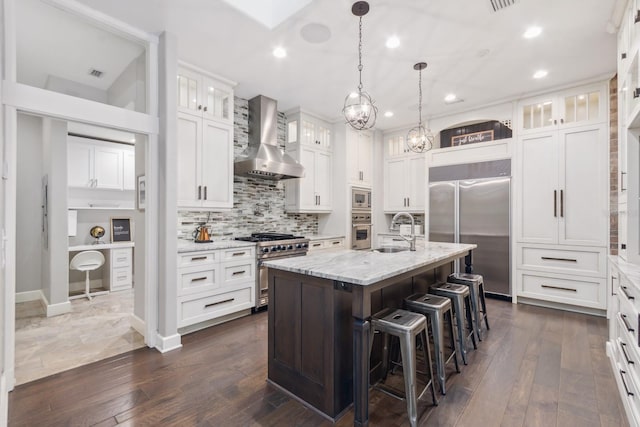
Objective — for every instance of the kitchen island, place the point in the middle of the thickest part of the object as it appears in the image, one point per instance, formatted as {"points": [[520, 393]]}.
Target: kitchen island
{"points": [[319, 318]]}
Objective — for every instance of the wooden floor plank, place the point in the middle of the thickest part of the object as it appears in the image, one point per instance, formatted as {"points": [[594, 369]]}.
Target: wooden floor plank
{"points": [[530, 370]]}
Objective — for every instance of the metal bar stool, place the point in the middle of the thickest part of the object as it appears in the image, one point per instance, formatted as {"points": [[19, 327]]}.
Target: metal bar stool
{"points": [[438, 311], [475, 283], [406, 326], [461, 302]]}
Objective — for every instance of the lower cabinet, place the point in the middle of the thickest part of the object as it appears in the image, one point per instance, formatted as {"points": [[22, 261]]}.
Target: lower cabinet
{"points": [[623, 347], [119, 269], [215, 283], [321, 244], [573, 276]]}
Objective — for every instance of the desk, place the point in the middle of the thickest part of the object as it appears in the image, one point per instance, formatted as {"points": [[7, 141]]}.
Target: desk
{"points": [[118, 267]]}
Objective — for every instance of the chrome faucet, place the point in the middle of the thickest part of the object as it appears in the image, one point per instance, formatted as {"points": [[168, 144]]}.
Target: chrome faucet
{"points": [[412, 238]]}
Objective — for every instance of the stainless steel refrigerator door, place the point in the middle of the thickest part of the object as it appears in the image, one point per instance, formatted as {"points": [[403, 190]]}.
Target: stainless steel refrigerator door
{"points": [[485, 220], [442, 212]]}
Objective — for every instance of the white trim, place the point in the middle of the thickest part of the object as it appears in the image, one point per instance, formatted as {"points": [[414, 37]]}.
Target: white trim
{"points": [[560, 306], [30, 296], [207, 73], [151, 242], [66, 107], [165, 344], [138, 324], [4, 400], [58, 309], [104, 21]]}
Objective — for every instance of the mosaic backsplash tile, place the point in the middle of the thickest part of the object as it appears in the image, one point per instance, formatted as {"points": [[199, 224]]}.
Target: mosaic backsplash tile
{"points": [[258, 205]]}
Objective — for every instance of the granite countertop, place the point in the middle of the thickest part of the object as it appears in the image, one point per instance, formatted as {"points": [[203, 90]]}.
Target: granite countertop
{"points": [[630, 271], [397, 233], [190, 246], [367, 267], [313, 237]]}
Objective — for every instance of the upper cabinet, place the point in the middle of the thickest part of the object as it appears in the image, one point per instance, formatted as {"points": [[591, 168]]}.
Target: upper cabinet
{"points": [[309, 142], [205, 96], [586, 105], [404, 177], [205, 141], [359, 157], [98, 164]]}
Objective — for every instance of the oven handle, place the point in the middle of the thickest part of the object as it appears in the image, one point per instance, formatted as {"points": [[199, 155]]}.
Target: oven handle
{"points": [[361, 225]]}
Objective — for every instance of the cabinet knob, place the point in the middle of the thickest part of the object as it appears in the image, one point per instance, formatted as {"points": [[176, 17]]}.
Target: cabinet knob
{"points": [[199, 107], [623, 55], [637, 17], [205, 108], [636, 92]]}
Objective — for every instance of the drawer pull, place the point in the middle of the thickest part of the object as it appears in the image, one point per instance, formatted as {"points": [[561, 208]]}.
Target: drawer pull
{"points": [[238, 253], [121, 259], [623, 317], [336, 243], [559, 288], [235, 273], [315, 245], [199, 279], [626, 294], [548, 258], [219, 302], [198, 258], [624, 352], [624, 383]]}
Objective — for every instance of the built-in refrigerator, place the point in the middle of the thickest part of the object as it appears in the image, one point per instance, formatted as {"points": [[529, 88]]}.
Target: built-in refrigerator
{"points": [[471, 203]]}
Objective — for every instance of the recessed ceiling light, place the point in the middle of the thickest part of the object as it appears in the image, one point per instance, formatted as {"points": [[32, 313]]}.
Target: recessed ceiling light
{"points": [[279, 52], [540, 74], [393, 42], [388, 113], [450, 97], [532, 32]]}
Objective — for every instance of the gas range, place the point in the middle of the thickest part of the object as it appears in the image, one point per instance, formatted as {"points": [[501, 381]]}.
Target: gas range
{"points": [[277, 245], [273, 246]]}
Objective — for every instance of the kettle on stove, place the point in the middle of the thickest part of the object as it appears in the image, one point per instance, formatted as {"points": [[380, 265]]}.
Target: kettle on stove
{"points": [[201, 235]]}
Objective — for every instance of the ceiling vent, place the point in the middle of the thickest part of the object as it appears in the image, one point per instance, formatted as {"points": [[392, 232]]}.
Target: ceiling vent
{"points": [[96, 73], [501, 4]]}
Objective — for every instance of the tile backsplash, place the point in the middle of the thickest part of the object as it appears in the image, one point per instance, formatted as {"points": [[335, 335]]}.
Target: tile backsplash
{"points": [[258, 205]]}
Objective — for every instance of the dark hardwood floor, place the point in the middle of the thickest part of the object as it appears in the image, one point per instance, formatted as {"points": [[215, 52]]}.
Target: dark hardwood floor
{"points": [[535, 367]]}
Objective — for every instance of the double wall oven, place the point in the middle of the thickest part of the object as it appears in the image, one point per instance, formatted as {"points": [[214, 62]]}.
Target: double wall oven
{"points": [[360, 218], [270, 246]]}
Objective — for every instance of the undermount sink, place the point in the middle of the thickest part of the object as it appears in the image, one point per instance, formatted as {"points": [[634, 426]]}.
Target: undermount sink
{"points": [[390, 249]]}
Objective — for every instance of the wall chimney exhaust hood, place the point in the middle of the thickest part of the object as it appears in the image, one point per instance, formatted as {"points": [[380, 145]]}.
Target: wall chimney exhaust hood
{"points": [[263, 158]]}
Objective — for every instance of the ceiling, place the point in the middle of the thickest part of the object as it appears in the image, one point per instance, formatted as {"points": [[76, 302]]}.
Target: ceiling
{"points": [[472, 51]]}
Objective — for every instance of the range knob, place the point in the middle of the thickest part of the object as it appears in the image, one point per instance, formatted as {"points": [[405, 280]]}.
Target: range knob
{"points": [[279, 247], [274, 248], [298, 245], [290, 247], [305, 245], [265, 250]]}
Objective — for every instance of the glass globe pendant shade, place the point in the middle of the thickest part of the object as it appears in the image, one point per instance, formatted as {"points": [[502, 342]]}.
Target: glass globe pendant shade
{"points": [[359, 111], [419, 139]]}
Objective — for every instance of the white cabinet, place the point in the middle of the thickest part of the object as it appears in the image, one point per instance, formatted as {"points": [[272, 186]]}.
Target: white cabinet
{"points": [[326, 244], [119, 269], [215, 283], [309, 142], [359, 157], [204, 95], [98, 164], [579, 106], [404, 179], [563, 192], [205, 163]]}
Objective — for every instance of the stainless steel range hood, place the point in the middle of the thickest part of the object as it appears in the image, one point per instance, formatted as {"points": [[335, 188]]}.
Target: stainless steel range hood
{"points": [[263, 158]]}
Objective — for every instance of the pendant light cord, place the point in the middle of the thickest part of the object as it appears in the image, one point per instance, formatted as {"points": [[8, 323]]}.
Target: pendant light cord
{"points": [[420, 97], [360, 55]]}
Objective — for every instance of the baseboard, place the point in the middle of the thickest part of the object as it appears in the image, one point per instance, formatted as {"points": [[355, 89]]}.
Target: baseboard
{"points": [[138, 324], [213, 322], [29, 296], [58, 309], [4, 401], [565, 307], [165, 344]]}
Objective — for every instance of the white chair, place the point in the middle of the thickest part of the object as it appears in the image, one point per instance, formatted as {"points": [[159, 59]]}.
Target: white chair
{"points": [[87, 261]]}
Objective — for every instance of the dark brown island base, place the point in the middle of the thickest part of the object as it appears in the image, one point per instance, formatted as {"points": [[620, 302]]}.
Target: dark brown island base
{"points": [[320, 308]]}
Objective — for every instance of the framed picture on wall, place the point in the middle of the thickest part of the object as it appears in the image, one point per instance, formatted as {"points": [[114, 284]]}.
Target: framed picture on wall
{"points": [[142, 192], [120, 230]]}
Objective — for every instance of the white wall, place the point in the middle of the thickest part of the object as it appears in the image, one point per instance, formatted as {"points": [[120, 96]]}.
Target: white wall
{"points": [[55, 283], [29, 204], [127, 91], [88, 218], [76, 89]]}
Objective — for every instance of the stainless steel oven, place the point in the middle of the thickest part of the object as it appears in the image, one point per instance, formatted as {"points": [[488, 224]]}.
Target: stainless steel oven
{"points": [[361, 229], [360, 199]]}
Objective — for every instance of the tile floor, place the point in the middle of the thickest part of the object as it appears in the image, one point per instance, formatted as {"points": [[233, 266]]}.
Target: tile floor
{"points": [[92, 331]]}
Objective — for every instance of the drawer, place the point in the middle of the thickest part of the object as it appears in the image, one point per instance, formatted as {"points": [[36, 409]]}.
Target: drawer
{"points": [[316, 245], [625, 345], [201, 280], [334, 243], [586, 292], [239, 254], [627, 291], [590, 262], [195, 310], [121, 257], [197, 258], [120, 278], [239, 271], [629, 321]]}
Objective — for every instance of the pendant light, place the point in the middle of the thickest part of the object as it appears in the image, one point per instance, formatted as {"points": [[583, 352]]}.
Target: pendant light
{"points": [[420, 139], [359, 110]]}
